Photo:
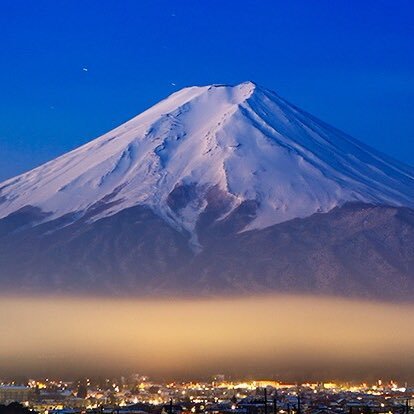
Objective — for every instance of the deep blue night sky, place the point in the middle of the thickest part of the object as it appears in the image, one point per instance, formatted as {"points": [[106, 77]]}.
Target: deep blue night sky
{"points": [[350, 63]]}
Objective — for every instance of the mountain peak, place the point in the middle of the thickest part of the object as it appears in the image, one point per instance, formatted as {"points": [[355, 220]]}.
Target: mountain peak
{"points": [[236, 93], [213, 190], [217, 144]]}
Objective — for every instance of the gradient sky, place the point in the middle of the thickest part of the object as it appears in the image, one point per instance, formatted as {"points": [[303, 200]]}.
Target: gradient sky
{"points": [[350, 63]]}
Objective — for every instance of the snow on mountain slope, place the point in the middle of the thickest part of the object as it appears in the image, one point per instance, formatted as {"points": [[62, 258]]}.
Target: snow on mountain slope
{"points": [[244, 140]]}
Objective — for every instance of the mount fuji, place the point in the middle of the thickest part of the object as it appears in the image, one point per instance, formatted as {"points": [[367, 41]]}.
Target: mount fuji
{"points": [[215, 190]]}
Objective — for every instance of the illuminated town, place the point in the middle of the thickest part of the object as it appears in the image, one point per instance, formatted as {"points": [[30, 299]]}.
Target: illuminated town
{"points": [[138, 394]]}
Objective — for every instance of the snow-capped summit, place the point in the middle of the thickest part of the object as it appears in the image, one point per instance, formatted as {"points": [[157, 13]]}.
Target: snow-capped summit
{"points": [[213, 190], [243, 141]]}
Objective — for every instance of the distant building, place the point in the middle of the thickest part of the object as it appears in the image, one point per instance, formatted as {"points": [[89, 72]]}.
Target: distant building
{"points": [[12, 393], [219, 378]]}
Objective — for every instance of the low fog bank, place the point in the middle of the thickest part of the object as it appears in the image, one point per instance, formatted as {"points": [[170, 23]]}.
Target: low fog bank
{"points": [[292, 338]]}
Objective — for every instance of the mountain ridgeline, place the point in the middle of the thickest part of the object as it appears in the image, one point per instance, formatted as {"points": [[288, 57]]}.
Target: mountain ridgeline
{"points": [[215, 190]]}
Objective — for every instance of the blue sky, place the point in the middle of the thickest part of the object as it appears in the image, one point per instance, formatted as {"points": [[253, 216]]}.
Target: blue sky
{"points": [[350, 63]]}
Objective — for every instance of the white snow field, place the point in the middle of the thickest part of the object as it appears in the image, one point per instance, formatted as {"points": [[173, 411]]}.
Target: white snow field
{"points": [[243, 139]]}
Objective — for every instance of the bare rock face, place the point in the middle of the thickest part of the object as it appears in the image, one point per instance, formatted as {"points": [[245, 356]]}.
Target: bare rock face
{"points": [[214, 190]]}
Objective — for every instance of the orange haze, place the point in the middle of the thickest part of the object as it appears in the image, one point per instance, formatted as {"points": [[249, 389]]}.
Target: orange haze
{"points": [[288, 337]]}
